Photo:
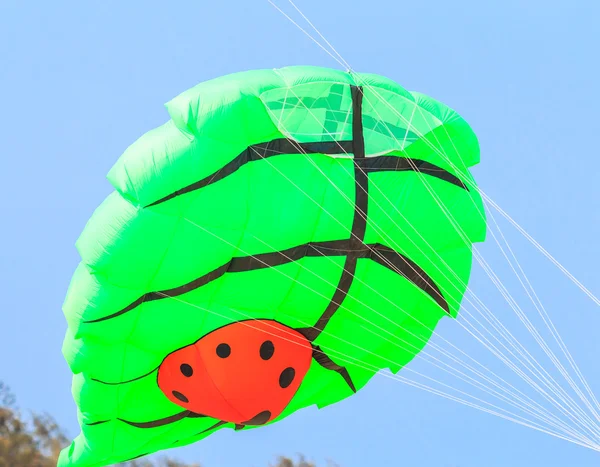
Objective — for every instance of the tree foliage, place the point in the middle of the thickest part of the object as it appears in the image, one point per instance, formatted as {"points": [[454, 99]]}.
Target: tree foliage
{"points": [[36, 440], [287, 462]]}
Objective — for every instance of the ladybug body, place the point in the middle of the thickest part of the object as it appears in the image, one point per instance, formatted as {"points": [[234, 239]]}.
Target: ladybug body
{"points": [[244, 373]]}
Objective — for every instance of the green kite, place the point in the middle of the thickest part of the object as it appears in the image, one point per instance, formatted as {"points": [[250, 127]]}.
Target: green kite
{"points": [[282, 238]]}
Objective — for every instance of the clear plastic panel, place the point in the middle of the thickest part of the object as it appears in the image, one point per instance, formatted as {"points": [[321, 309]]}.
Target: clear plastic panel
{"points": [[317, 112], [392, 122], [312, 112]]}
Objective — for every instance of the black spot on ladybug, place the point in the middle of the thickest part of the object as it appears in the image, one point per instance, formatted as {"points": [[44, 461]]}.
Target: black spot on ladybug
{"points": [[286, 377], [186, 370], [266, 350], [180, 396], [259, 419], [223, 350]]}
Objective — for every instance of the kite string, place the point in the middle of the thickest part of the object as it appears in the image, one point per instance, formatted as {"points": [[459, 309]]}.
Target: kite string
{"points": [[489, 270], [323, 296], [375, 370], [433, 194], [532, 330], [546, 318], [342, 61], [419, 355], [281, 272], [314, 291], [311, 161], [542, 343], [386, 298], [553, 331], [540, 248], [549, 322]]}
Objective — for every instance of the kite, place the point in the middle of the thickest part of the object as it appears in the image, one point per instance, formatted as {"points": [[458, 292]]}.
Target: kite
{"points": [[282, 238]]}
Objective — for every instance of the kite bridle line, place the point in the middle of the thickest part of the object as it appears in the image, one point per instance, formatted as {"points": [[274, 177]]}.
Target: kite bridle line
{"points": [[383, 234], [480, 259]]}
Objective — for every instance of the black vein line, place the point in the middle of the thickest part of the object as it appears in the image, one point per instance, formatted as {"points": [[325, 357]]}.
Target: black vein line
{"points": [[238, 264], [163, 421], [256, 152], [404, 164], [411, 271], [137, 457], [212, 427], [359, 221], [408, 269], [99, 422], [326, 362], [124, 382], [352, 248], [279, 147]]}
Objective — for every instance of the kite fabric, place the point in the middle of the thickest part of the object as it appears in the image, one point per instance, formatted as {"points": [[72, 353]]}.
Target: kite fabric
{"points": [[282, 238]]}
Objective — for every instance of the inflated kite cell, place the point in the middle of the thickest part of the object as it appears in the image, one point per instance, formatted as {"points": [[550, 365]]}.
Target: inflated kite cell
{"points": [[282, 238]]}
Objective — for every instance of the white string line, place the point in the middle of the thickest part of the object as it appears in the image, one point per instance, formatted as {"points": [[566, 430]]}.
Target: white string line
{"points": [[540, 248], [543, 377], [361, 364], [531, 329], [301, 29], [563, 427], [479, 258], [321, 35], [327, 213], [454, 346], [199, 226], [494, 350], [439, 393], [365, 366], [420, 352], [539, 339], [292, 2], [514, 305], [378, 293], [376, 187], [338, 144], [458, 228], [476, 361], [521, 230], [541, 342], [386, 298], [549, 324], [357, 315], [410, 125], [522, 316], [434, 195], [343, 62], [349, 67], [563, 347]]}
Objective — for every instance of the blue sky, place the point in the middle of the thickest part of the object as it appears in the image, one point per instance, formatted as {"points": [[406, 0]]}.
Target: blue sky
{"points": [[80, 81]]}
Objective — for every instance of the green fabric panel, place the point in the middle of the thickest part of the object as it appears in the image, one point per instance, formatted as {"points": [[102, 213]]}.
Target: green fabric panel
{"points": [[130, 248]]}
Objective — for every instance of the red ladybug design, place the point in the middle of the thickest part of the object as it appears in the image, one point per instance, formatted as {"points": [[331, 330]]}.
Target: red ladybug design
{"points": [[244, 373]]}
